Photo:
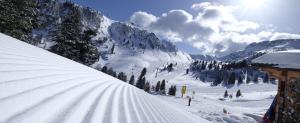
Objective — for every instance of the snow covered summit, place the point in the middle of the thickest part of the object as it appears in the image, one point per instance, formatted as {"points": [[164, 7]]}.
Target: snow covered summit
{"points": [[37, 86], [253, 49]]}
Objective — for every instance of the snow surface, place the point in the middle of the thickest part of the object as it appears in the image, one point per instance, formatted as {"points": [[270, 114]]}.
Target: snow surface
{"points": [[37, 86], [255, 100], [281, 59]]}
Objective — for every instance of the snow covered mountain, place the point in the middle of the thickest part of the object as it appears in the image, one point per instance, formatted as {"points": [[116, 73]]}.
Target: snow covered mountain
{"points": [[123, 46], [203, 57], [135, 49], [41, 87], [132, 37], [252, 50]]}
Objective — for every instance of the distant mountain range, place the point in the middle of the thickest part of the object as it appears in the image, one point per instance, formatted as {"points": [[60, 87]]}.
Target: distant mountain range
{"points": [[203, 57], [254, 49], [262, 47]]}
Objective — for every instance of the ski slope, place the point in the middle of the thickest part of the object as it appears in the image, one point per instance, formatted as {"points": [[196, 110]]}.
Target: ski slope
{"points": [[249, 108], [37, 86]]}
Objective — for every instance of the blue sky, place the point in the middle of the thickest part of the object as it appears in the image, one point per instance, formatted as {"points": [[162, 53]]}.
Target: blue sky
{"points": [[215, 27], [123, 9]]}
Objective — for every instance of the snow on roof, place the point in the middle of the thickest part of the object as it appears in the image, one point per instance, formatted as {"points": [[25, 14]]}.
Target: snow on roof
{"points": [[283, 59], [37, 86]]}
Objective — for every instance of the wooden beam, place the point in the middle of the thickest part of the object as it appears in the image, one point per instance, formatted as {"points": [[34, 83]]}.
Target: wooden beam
{"points": [[281, 74], [293, 74], [275, 73]]}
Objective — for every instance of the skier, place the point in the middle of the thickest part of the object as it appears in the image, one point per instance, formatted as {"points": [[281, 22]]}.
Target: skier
{"points": [[225, 111], [190, 99]]}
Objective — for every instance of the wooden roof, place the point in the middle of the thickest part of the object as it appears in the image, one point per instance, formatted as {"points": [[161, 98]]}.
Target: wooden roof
{"points": [[282, 65], [287, 60]]}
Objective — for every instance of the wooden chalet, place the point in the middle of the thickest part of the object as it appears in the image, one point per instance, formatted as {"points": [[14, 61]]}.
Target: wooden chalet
{"points": [[284, 66]]}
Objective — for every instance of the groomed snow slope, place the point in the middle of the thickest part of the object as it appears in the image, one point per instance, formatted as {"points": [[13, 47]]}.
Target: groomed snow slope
{"points": [[37, 86]]}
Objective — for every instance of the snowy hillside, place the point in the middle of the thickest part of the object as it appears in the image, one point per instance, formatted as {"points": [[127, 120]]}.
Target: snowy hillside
{"points": [[136, 38], [208, 101], [263, 47], [135, 49], [37, 86], [122, 46]]}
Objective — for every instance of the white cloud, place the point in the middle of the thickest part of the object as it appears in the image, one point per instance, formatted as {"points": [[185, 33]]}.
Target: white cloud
{"points": [[200, 6], [279, 35], [240, 26], [221, 18], [142, 19], [213, 30], [180, 24]]}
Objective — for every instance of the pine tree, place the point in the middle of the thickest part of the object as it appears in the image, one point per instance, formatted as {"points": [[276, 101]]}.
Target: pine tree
{"points": [[141, 80], [143, 73], [238, 93], [89, 54], [68, 36], [163, 87], [112, 49], [231, 80], [214, 62], [141, 83], [125, 78], [203, 66], [247, 80], [131, 81], [110, 72], [170, 67], [255, 79], [210, 65], [18, 18], [217, 80], [104, 69], [266, 78], [240, 80], [157, 87], [226, 94], [147, 87], [72, 41], [172, 90], [122, 76], [114, 74]]}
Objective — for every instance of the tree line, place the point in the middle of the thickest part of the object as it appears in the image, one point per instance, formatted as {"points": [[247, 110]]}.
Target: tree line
{"points": [[141, 82], [226, 73]]}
